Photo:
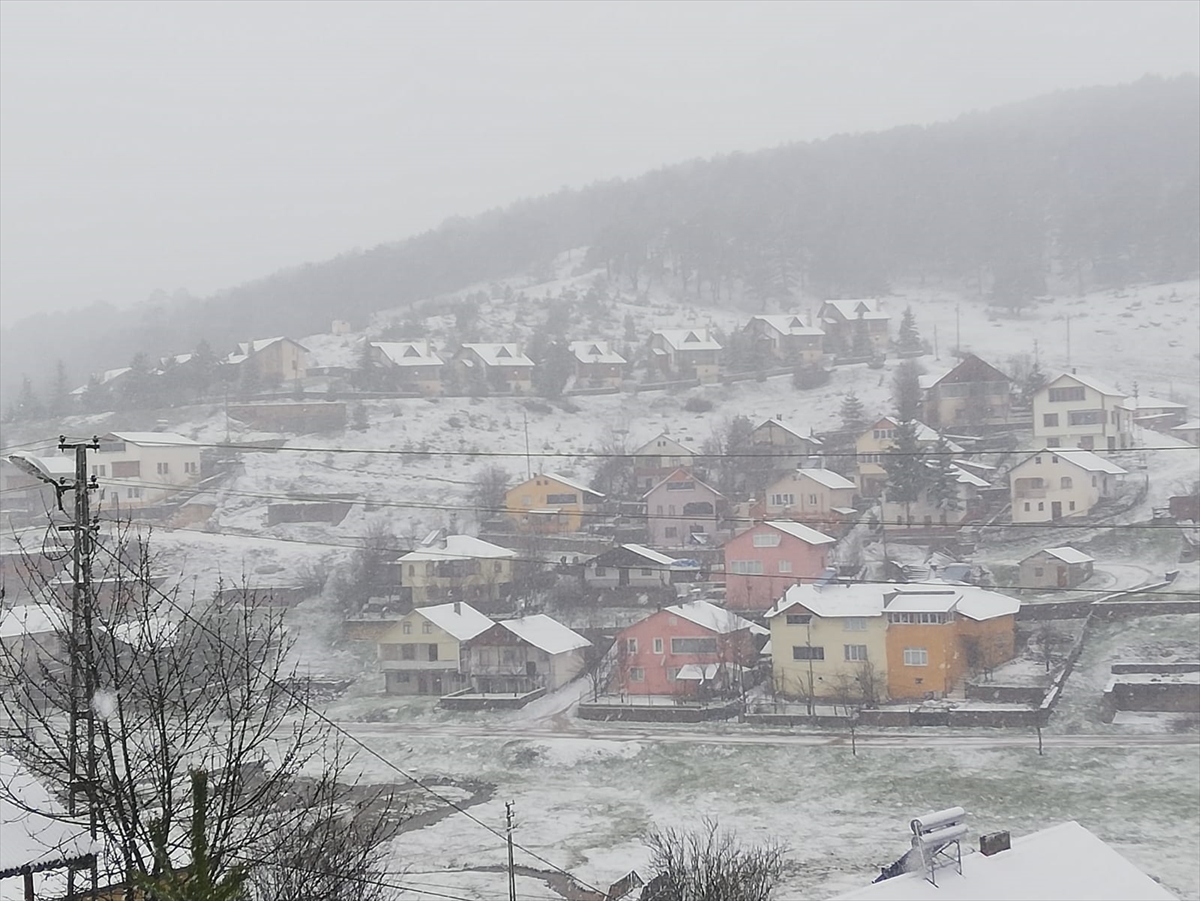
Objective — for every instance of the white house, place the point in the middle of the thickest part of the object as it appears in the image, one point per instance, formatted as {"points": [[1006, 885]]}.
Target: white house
{"points": [[1079, 411], [142, 469], [522, 655], [658, 458], [810, 495], [787, 338], [597, 365], [502, 366], [1058, 483], [629, 566], [412, 365], [686, 353]]}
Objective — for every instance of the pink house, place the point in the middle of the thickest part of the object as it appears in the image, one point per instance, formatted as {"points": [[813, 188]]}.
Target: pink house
{"points": [[762, 562], [682, 511], [684, 650]]}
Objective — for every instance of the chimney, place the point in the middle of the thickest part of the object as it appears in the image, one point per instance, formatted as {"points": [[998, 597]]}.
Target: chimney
{"points": [[457, 608], [1074, 370], [994, 843]]}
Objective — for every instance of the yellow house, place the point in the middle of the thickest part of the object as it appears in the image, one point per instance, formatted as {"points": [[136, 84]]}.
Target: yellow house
{"points": [[872, 447], [425, 652], [830, 641], [551, 503], [455, 567]]}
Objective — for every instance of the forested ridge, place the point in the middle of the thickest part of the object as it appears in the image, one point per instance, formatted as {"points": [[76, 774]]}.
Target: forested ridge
{"points": [[1074, 190]]}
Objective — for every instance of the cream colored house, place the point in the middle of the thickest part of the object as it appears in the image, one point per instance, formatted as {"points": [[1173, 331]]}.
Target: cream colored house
{"points": [[455, 567], [925, 512], [658, 458], [829, 641], [501, 366], [142, 469], [522, 655], [597, 365], [683, 353], [1058, 483], [872, 447], [411, 365], [276, 360], [810, 495], [788, 339], [1079, 411], [854, 327], [425, 652], [1187, 431]]}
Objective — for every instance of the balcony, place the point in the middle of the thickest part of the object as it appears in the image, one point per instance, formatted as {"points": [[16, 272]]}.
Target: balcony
{"points": [[1027, 493], [413, 665]]}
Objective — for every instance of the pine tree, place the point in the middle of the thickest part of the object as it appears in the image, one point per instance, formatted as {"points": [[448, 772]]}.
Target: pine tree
{"points": [[1034, 381], [854, 416], [60, 392], [27, 406], [909, 338], [907, 474], [906, 390], [943, 478]]}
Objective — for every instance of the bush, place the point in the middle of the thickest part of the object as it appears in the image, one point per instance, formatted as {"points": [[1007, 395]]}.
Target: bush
{"points": [[809, 377], [698, 405]]}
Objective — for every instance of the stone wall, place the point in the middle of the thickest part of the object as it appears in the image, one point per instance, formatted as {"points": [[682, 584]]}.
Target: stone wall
{"points": [[645, 713]]}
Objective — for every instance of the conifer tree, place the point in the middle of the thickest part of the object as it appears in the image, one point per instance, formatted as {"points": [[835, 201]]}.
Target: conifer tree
{"points": [[906, 390], [943, 478], [909, 338], [853, 415], [907, 475]]}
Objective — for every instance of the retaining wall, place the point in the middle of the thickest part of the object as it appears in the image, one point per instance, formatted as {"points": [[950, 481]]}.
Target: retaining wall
{"points": [[643, 713]]}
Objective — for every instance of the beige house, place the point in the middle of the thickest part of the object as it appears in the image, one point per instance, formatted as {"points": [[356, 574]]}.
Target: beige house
{"points": [[658, 458], [854, 328], [551, 503], [425, 652], [1058, 483], [787, 339], [526, 654], [872, 447], [410, 365], [786, 447], [683, 353], [142, 469], [457, 568], [597, 365], [973, 393], [276, 360], [1079, 411], [1187, 431], [502, 367], [1055, 567], [811, 495]]}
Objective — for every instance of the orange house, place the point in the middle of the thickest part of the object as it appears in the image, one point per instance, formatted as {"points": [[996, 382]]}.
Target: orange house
{"points": [[938, 634]]}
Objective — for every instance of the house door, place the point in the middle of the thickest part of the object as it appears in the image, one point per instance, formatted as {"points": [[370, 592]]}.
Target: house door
{"points": [[1112, 443], [622, 576], [422, 685], [1056, 509], [435, 685], [1062, 577]]}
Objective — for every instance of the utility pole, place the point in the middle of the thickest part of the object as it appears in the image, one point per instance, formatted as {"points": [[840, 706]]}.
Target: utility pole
{"points": [[1068, 340], [83, 687], [512, 873], [528, 463]]}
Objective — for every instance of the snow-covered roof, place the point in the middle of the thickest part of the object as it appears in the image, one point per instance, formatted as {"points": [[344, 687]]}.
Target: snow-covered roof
{"points": [[36, 833], [826, 477], [859, 599], [499, 354], [688, 338], [1066, 555], [779, 423], [104, 378], [408, 353], [1064, 861], [963, 477], [462, 621], [1089, 382], [676, 449], [1147, 402], [925, 434], [801, 531], [938, 600], [596, 352], [458, 547], [698, 672], [1189, 426], [789, 324], [153, 439], [570, 483], [711, 617], [1084, 459], [690, 477], [32, 619], [155, 631], [246, 348], [648, 554], [545, 633], [868, 599], [849, 309]]}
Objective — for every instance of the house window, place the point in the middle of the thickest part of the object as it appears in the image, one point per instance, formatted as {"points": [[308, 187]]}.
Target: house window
{"points": [[637, 674], [1085, 417], [127, 469], [799, 619], [681, 486], [658, 646], [134, 492], [1041, 505], [782, 500], [693, 646], [561, 499], [767, 539], [672, 673], [746, 567], [389, 652], [1064, 482], [163, 468], [855, 652], [407, 628], [431, 652], [1052, 442], [408, 652], [601, 572], [1037, 461], [1050, 420], [807, 652], [1039, 571], [854, 624], [647, 572], [1027, 506], [1094, 483], [191, 468], [1060, 395], [100, 471], [1072, 505], [426, 628], [671, 532], [631, 645], [658, 511], [916, 657], [785, 566]]}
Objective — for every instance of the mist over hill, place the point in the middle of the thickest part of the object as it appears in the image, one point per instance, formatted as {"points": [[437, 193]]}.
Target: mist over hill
{"points": [[1083, 189]]}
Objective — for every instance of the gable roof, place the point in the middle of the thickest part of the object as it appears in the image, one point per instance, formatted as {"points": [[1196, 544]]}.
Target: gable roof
{"points": [[104, 378], [925, 434], [826, 477], [849, 309], [248, 348], [1084, 459], [596, 352], [458, 547], [965, 477], [648, 554], [499, 354], [688, 338], [780, 424], [408, 353], [690, 477], [1087, 381], [153, 439], [972, 369], [714, 618], [867, 599], [1064, 861], [801, 531], [1149, 402], [648, 449], [788, 324], [463, 624], [32, 619], [1066, 554], [570, 483], [857, 599], [36, 832], [544, 633], [1189, 426]]}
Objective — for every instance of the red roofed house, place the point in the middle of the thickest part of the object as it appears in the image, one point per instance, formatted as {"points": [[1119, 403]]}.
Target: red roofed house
{"points": [[765, 560], [682, 649]]}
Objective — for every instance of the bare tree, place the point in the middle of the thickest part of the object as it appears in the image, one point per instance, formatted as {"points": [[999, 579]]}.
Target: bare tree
{"points": [[710, 864], [872, 686], [176, 683], [1048, 642], [488, 491], [600, 664]]}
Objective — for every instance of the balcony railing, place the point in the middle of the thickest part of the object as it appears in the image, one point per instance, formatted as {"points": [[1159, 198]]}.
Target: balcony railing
{"points": [[402, 665]]}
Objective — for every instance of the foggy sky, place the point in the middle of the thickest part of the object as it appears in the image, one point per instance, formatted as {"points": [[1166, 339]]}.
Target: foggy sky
{"points": [[167, 145]]}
